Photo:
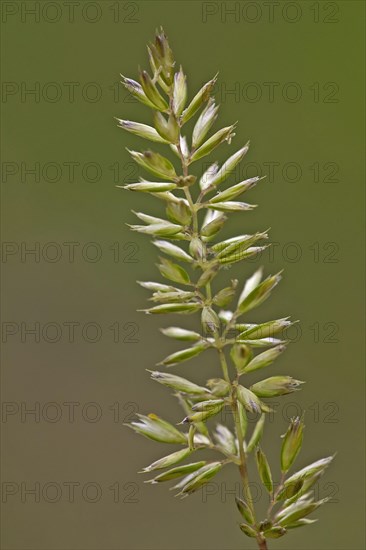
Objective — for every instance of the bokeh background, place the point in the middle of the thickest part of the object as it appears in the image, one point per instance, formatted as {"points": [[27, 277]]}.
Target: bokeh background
{"points": [[291, 73]]}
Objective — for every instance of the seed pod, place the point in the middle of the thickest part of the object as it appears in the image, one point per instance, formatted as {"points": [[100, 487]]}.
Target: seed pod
{"points": [[201, 477], [231, 206], [208, 275], [249, 400], [209, 320], [179, 212], [237, 257], [157, 229], [243, 420], [301, 523], [275, 532], [149, 186], [225, 134], [268, 329], [204, 123], [213, 227], [179, 296], [201, 416], [249, 531], [250, 285], [167, 130], [297, 511], [240, 355], [228, 166], [152, 92], [178, 383], [197, 249], [168, 460], [141, 130], [154, 163], [173, 250], [224, 296], [179, 92], [263, 342], [199, 99], [234, 191], [275, 386], [225, 439], [183, 355], [208, 176], [291, 444], [173, 272], [245, 510], [257, 434], [258, 294], [156, 286], [264, 470], [181, 334], [264, 359], [135, 89], [237, 244], [218, 387], [211, 404], [309, 475], [155, 428], [179, 471], [188, 307]]}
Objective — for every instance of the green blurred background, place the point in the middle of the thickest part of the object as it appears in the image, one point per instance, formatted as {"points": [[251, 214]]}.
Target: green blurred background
{"points": [[296, 73]]}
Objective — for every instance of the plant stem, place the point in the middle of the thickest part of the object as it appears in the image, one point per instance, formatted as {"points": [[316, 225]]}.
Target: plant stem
{"points": [[262, 544]]}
